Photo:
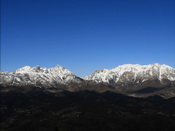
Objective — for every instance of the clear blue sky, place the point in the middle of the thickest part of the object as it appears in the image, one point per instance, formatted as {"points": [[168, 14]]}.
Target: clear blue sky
{"points": [[85, 35]]}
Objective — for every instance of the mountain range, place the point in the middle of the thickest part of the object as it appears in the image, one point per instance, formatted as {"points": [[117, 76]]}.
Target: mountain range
{"points": [[130, 79], [126, 98]]}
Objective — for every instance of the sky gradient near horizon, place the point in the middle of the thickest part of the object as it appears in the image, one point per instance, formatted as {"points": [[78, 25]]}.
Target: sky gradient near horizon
{"points": [[85, 35]]}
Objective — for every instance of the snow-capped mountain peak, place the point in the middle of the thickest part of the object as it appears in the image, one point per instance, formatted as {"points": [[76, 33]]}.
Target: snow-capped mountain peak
{"points": [[133, 73], [38, 76], [28, 69], [59, 70]]}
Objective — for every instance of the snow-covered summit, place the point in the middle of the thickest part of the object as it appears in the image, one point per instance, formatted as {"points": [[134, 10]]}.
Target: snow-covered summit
{"points": [[133, 73], [38, 76], [58, 75], [38, 69]]}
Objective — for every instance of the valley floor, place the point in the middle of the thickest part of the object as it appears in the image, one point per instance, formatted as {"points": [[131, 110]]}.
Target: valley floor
{"points": [[85, 111]]}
